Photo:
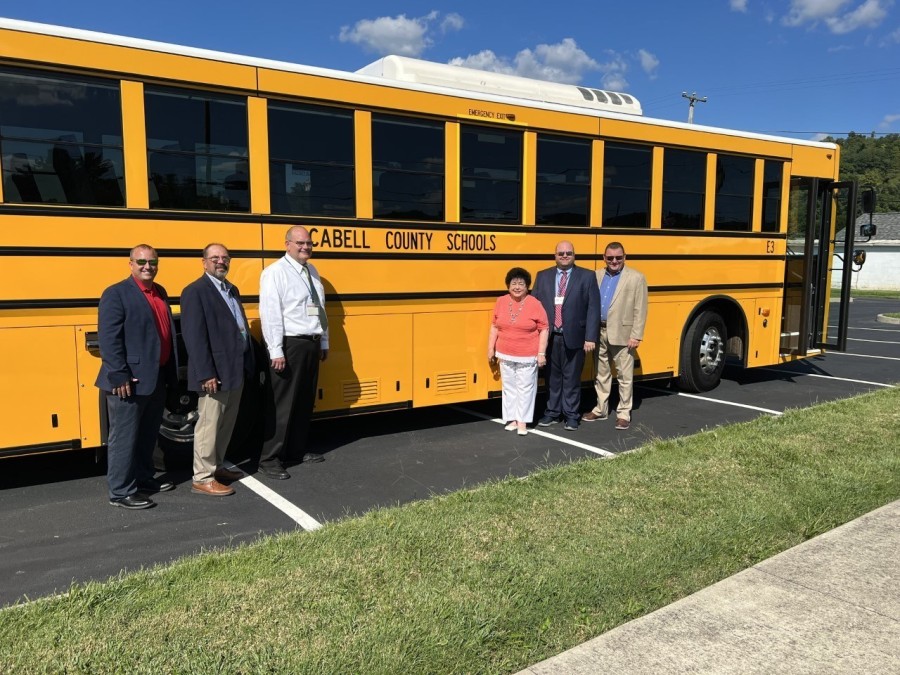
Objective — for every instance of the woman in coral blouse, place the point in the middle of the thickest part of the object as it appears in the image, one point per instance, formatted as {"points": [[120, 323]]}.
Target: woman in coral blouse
{"points": [[518, 339]]}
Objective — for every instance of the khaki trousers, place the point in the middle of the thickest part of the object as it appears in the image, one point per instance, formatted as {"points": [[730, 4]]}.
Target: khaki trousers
{"points": [[624, 360], [218, 413]]}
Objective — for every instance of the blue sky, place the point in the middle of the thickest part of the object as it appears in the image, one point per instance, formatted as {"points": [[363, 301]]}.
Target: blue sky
{"points": [[801, 68]]}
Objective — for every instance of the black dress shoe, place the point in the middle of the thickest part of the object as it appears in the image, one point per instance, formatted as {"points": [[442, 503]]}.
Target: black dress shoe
{"points": [[133, 502], [155, 485], [276, 472], [312, 458]]}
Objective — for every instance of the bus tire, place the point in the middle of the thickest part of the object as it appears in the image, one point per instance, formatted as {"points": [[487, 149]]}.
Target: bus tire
{"points": [[702, 357]]}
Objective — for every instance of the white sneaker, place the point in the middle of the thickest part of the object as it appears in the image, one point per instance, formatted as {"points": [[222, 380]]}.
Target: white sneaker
{"points": [[523, 432], [512, 426]]}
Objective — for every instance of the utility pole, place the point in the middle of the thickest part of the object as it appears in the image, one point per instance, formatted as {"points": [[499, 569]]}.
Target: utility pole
{"points": [[693, 98]]}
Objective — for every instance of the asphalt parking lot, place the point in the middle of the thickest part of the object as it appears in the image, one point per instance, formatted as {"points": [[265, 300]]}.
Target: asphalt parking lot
{"points": [[56, 526]]}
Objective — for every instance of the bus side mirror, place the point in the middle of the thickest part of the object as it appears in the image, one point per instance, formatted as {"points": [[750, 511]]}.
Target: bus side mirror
{"points": [[869, 200], [859, 257], [868, 230]]}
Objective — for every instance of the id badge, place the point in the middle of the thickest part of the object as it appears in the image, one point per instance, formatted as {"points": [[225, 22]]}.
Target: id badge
{"points": [[558, 300], [312, 309]]}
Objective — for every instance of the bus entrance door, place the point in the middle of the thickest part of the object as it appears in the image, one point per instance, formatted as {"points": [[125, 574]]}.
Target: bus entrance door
{"points": [[818, 266]]}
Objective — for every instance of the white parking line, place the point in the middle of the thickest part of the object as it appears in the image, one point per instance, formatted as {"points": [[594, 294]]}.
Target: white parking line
{"points": [[295, 513], [713, 400], [880, 330], [827, 377], [883, 342], [538, 432], [865, 356]]}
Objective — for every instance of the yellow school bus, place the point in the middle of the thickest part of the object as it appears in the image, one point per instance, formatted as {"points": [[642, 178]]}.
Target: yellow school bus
{"points": [[421, 185]]}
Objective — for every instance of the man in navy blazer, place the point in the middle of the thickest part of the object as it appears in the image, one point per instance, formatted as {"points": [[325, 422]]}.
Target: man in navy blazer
{"points": [[137, 347], [220, 356], [571, 299]]}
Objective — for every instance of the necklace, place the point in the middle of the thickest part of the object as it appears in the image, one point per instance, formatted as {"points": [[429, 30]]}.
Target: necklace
{"points": [[513, 317]]}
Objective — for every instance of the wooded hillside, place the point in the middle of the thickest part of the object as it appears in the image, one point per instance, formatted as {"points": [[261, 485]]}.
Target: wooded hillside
{"points": [[873, 161]]}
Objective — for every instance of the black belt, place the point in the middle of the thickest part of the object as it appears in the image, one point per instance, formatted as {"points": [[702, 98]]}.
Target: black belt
{"points": [[314, 338]]}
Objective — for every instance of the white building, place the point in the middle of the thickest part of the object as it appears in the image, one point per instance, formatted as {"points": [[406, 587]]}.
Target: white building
{"points": [[882, 268]]}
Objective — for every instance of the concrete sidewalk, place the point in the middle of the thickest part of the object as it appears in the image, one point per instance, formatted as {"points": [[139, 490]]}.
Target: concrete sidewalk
{"points": [[829, 605]]}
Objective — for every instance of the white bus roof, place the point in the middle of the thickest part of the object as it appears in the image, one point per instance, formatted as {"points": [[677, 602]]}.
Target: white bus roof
{"points": [[404, 73]]}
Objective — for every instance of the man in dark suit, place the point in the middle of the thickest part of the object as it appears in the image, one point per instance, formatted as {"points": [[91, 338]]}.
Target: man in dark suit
{"points": [[137, 348], [220, 356], [571, 299]]}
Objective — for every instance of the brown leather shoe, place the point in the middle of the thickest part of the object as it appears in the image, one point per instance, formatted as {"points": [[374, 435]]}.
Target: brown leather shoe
{"points": [[227, 474], [592, 417], [213, 488], [622, 424]]}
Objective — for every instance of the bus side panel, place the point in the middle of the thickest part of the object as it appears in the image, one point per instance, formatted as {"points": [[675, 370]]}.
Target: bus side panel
{"points": [[658, 351], [764, 330], [450, 358], [369, 362], [38, 386], [88, 394]]}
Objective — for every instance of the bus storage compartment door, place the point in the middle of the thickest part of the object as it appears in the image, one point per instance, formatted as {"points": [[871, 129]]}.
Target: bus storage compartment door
{"points": [[40, 395], [449, 362], [369, 362]]}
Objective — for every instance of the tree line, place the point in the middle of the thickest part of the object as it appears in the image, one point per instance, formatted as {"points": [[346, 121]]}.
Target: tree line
{"points": [[873, 162]]}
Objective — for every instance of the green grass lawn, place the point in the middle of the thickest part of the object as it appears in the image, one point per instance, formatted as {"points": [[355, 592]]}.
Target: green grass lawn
{"points": [[489, 579], [893, 315]]}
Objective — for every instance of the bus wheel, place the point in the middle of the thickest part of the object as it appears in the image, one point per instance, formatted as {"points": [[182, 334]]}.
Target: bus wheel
{"points": [[703, 353], [175, 444]]}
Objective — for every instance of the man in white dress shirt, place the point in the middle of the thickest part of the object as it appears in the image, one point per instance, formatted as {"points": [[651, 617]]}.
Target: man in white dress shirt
{"points": [[295, 329]]}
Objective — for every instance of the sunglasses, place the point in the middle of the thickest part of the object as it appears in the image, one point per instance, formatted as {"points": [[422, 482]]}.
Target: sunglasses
{"points": [[140, 262], [615, 258], [565, 253]]}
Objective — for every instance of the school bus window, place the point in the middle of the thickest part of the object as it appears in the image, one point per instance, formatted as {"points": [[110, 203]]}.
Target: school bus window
{"points": [[407, 168], [196, 150], [563, 181], [734, 193], [771, 195], [627, 170], [311, 163], [61, 139], [491, 185], [684, 189]]}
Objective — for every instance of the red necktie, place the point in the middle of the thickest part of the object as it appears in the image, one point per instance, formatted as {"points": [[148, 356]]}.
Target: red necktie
{"points": [[561, 292]]}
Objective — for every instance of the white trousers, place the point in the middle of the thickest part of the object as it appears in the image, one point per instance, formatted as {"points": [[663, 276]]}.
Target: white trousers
{"points": [[218, 413], [519, 390]]}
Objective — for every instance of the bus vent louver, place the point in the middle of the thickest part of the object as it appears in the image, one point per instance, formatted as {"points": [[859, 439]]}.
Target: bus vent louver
{"points": [[451, 383], [366, 390]]}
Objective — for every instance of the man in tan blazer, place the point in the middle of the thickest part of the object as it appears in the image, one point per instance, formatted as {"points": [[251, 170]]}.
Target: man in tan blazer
{"points": [[623, 314]]}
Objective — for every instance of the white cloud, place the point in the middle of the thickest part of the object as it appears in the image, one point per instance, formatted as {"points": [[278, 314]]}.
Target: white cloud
{"points": [[835, 14], [649, 62], [398, 34], [888, 120], [563, 62], [819, 137], [451, 22], [869, 14], [738, 5]]}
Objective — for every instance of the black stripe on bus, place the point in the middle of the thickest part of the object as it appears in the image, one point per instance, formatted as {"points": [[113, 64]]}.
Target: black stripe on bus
{"points": [[323, 221], [383, 297], [51, 251], [41, 448], [383, 407]]}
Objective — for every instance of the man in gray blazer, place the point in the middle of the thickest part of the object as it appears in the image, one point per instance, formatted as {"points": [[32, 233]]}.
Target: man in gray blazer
{"points": [[137, 347], [220, 357], [623, 314]]}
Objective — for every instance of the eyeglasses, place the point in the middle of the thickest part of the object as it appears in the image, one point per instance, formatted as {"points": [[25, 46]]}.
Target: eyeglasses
{"points": [[140, 262], [219, 258], [615, 258], [307, 242], [564, 254]]}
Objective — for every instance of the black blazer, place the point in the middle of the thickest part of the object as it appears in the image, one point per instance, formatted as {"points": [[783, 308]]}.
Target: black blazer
{"points": [[129, 341], [211, 335], [581, 307]]}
